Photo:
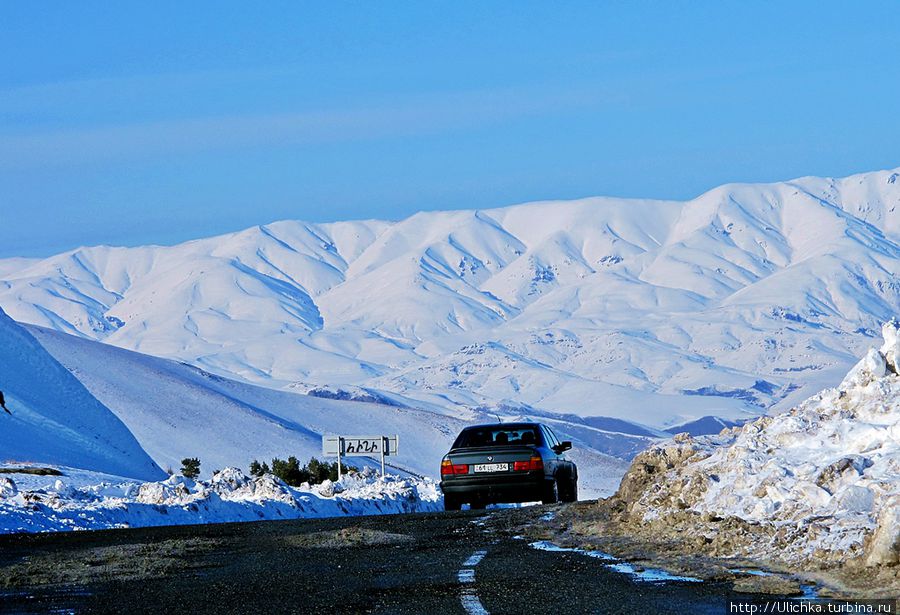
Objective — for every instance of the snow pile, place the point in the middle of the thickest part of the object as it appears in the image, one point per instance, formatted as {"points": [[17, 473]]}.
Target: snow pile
{"points": [[821, 481], [229, 496]]}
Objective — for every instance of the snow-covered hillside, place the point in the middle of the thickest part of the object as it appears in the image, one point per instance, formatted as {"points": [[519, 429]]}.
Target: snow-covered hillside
{"points": [[54, 419], [176, 411], [745, 298]]}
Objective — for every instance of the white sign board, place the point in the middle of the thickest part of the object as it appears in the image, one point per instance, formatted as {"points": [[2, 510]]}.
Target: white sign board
{"points": [[359, 446]]}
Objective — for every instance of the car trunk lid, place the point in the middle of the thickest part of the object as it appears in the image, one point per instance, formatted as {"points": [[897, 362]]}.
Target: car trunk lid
{"points": [[491, 454]]}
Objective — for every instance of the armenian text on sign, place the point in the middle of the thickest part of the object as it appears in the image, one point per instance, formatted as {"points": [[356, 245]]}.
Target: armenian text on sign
{"points": [[359, 445]]}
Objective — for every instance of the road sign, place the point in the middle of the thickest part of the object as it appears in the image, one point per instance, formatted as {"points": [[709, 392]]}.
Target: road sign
{"points": [[359, 446]]}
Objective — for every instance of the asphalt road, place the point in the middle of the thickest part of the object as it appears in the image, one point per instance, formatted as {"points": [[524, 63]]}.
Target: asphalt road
{"points": [[461, 562]]}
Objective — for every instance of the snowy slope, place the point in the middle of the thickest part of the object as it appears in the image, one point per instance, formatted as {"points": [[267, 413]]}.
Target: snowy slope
{"points": [[54, 419], [745, 298], [176, 411]]}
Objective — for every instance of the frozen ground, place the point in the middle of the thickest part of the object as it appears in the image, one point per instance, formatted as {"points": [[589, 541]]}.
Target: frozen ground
{"points": [[176, 411], [612, 320]]}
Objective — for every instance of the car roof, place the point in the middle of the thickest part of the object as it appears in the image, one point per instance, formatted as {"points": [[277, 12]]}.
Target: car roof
{"points": [[503, 425]]}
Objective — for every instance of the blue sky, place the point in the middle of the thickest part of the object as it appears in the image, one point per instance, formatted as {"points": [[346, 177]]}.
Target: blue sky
{"points": [[132, 123]]}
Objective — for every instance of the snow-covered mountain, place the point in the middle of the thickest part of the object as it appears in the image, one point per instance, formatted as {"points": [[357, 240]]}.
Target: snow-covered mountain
{"points": [[656, 312]]}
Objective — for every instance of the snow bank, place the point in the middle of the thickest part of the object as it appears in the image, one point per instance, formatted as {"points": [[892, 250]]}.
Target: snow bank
{"points": [[819, 482], [229, 496]]}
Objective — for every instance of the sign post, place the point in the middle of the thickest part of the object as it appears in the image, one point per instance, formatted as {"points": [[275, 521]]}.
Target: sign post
{"points": [[340, 446], [359, 446]]}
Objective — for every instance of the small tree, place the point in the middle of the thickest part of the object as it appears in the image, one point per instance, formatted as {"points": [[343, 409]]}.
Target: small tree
{"points": [[290, 471], [294, 474], [326, 470], [190, 467], [258, 469], [319, 471]]}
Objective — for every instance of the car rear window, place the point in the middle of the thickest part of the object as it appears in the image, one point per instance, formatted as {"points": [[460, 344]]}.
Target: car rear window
{"points": [[497, 436]]}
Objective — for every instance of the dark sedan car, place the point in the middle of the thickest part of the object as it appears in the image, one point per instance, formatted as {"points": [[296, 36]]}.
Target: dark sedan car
{"points": [[507, 462]]}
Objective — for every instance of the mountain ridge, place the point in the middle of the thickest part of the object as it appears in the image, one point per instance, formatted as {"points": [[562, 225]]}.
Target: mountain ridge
{"points": [[745, 282]]}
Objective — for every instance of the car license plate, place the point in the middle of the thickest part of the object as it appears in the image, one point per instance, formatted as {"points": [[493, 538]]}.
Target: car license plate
{"points": [[491, 467]]}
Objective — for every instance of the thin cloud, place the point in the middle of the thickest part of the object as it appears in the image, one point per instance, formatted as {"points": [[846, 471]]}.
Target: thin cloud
{"points": [[418, 116]]}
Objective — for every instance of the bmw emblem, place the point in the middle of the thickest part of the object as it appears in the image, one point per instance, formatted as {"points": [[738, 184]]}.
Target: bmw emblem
{"points": [[490, 457]]}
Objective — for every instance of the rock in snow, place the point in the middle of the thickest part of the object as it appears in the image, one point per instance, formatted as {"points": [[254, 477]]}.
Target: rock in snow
{"points": [[818, 483]]}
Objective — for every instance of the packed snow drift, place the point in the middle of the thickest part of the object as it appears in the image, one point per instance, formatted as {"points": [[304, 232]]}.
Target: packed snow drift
{"points": [[85, 501], [818, 485]]}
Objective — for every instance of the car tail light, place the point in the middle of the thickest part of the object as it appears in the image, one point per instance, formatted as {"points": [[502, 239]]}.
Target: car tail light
{"points": [[535, 463], [448, 467]]}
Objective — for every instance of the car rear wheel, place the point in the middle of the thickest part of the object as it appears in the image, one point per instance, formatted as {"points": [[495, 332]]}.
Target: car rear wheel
{"points": [[551, 493], [452, 502], [571, 491]]}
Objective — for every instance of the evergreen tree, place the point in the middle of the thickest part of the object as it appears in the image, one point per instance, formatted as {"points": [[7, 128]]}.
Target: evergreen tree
{"points": [[190, 467], [319, 471], [290, 471], [258, 469]]}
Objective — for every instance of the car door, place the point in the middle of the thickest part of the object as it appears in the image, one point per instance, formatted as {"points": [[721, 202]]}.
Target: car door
{"points": [[563, 463], [552, 442]]}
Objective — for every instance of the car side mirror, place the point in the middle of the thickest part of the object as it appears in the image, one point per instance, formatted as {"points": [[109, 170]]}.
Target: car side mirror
{"points": [[562, 446]]}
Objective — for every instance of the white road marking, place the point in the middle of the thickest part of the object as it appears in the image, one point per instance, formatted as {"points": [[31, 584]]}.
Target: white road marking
{"points": [[472, 604], [475, 558], [466, 575]]}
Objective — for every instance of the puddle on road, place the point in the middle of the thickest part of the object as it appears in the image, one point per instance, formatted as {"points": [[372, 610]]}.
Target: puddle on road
{"points": [[808, 591], [750, 571], [647, 575], [50, 601]]}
